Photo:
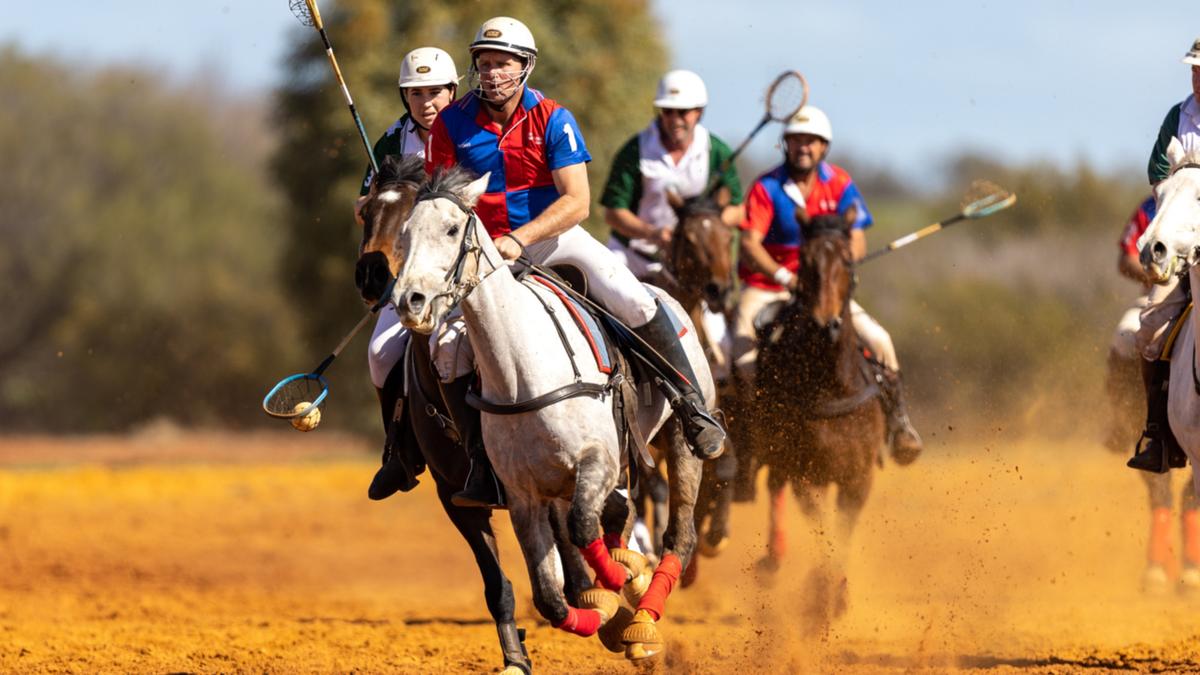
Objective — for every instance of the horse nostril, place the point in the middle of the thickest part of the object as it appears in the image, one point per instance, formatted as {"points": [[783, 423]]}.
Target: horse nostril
{"points": [[415, 302], [1159, 252]]}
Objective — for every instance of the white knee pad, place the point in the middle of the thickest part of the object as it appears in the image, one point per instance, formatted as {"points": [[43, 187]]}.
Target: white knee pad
{"points": [[451, 350]]}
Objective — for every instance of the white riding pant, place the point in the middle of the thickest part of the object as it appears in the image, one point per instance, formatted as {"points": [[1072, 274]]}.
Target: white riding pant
{"points": [[610, 283], [1124, 340], [745, 339], [386, 346], [642, 267], [1164, 304], [715, 329]]}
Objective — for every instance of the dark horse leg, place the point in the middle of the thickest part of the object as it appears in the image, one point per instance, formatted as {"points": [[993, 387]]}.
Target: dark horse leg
{"points": [[475, 526], [641, 638]]}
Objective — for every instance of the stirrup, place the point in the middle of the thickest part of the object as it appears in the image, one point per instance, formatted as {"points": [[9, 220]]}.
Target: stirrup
{"points": [[1150, 453], [476, 493]]}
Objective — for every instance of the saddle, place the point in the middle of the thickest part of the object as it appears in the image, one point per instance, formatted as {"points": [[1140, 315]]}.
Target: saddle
{"points": [[611, 344]]}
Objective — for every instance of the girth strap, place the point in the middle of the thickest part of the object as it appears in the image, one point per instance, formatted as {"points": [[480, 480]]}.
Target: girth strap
{"points": [[549, 398]]}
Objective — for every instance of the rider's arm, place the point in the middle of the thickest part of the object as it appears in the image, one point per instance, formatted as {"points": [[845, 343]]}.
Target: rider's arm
{"points": [[626, 223], [570, 209], [1159, 166], [858, 244], [1131, 268], [760, 211]]}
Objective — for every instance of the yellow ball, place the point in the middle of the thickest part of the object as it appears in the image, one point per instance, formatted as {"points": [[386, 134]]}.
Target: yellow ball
{"points": [[309, 421]]}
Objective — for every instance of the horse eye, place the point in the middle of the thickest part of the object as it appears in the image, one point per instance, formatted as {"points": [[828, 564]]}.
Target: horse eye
{"points": [[453, 231]]}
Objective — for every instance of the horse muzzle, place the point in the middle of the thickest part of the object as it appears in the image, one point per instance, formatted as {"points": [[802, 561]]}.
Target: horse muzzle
{"points": [[415, 309], [1158, 261], [833, 329], [372, 275]]}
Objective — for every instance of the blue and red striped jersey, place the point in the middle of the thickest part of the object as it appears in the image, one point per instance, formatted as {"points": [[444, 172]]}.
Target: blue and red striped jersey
{"points": [[1138, 222], [772, 212], [542, 136]]}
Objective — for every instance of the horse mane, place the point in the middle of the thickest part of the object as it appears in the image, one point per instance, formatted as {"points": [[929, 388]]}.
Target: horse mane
{"points": [[452, 180], [1192, 156], [395, 171], [700, 204], [826, 224]]}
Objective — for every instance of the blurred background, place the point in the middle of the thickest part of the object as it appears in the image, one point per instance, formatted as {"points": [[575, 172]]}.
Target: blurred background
{"points": [[178, 181]]}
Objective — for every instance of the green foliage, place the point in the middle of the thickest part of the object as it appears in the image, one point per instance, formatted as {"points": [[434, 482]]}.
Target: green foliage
{"points": [[141, 252], [599, 58]]}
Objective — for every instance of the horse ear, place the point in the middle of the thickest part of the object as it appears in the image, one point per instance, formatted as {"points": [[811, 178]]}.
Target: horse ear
{"points": [[723, 196], [1175, 152], [475, 189], [674, 199]]}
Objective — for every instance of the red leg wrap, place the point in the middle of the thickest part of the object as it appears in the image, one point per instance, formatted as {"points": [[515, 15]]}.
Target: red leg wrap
{"points": [[609, 573], [1160, 537], [582, 622], [665, 576], [1191, 537], [614, 540]]}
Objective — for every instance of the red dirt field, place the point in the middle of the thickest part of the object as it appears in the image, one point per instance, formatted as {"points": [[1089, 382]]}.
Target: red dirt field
{"points": [[260, 553]]}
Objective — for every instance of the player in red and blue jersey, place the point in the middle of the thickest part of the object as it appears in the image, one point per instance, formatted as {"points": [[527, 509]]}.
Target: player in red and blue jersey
{"points": [[772, 239], [537, 195]]}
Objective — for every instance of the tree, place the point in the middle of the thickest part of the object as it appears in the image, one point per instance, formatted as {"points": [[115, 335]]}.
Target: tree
{"points": [[141, 252], [600, 58]]}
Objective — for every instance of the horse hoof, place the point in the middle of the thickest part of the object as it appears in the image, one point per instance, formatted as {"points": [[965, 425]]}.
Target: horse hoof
{"points": [[641, 637], [1189, 582], [602, 600], [710, 550], [610, 632], [640, 573], [1155, 581]]}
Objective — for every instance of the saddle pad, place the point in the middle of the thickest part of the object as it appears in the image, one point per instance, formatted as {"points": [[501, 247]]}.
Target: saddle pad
{"points": [[586, 322]]}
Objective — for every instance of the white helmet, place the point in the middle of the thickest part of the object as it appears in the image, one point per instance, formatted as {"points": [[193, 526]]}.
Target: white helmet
{"points": [[1192, 58], [505, 34], [427, 67], [810, 120], [681, 90]]}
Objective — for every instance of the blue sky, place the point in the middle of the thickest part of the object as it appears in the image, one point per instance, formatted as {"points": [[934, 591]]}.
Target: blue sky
{"points": [[905, 83]]}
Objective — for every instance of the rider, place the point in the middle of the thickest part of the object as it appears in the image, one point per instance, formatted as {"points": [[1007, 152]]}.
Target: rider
{"points": [[1166, 302], [428, 83], [673, 153], [771, 243], [537, 195]]}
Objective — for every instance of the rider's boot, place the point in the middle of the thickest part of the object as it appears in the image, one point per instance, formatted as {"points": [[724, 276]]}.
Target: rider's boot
{"points": [[1157, 450], [402, 460], [482, 488], [902, 436], [704, 433]]}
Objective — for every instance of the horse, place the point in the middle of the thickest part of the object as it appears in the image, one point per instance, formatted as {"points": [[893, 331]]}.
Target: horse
{"points": [[1170, 247], [430, 431], [819, 421], [700, 271], [547, 423]]}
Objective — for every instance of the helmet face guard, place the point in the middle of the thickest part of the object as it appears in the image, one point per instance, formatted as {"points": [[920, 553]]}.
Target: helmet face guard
{"points": [[518, 79]]}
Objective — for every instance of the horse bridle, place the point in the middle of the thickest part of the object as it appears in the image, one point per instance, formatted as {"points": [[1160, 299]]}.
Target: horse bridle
{"points": [[467, 247], [671, 264]]}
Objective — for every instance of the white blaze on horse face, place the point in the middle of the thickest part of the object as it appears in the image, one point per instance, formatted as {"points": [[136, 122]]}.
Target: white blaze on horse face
{"points": [[389, 197]]}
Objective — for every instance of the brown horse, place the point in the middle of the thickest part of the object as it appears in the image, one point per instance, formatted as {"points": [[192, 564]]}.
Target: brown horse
{"points": [[819, 420], [699, 270], [384, 210]]}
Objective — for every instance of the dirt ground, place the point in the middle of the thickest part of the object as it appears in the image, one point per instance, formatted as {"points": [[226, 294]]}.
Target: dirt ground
{"points": [[260, 553]]}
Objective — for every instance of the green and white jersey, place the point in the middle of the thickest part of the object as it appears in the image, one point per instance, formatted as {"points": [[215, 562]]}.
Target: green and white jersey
{"points": [[399, 140], [643, 171], [1182, 122]]}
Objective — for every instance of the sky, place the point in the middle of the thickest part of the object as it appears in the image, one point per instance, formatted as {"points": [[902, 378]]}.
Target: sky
{"points": [[905, 84]]}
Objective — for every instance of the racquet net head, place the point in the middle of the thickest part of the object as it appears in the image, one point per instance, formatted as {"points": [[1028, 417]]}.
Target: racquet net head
{"points": [[787, 94], [305, 388], [983, 198], [301, 12]]}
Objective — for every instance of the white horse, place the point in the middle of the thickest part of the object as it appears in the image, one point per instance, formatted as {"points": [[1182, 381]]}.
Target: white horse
{"points": [[1170, 245], [565, 456]]}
